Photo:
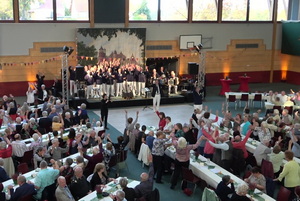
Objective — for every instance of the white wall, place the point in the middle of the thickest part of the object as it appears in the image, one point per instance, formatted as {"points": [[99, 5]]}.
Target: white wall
{"points": [[17, 39]]}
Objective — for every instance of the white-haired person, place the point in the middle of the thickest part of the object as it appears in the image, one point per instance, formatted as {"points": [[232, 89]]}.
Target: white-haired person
{"points": [[129, 192], [241, 193], [62, 192], [120, 196], [81, 116], [59, 106], [68, 120], [146, 185], [37, 141], [182, 157]]}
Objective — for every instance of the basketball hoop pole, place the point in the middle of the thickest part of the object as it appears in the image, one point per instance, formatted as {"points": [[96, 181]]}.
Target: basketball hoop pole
{"points": [[201, 69]]}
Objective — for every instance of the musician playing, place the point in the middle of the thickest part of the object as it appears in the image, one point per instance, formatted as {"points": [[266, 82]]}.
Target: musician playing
{"points": [[173, 82]]}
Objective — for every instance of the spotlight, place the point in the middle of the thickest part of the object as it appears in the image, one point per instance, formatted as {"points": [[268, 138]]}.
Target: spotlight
{"points": [[68, 50], [198, 47]]}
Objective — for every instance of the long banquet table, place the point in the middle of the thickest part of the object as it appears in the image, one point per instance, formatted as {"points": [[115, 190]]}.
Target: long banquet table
{"points": [[212, 173], [110, 188]]}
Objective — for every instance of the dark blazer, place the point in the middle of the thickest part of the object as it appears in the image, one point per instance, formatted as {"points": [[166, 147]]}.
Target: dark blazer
{"points": [[129, 193], [45, 123], [145, 187], [3, 175], [25, 189], [155, 89], [223, 191]]}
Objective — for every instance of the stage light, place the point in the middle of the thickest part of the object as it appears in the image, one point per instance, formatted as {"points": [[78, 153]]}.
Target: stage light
{"points": [[198, 47], [68, 50]]}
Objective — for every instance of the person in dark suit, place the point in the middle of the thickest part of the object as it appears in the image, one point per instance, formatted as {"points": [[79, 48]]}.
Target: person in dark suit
{"points": [[104, 109], [129, 192], [79, 186], [145, 187], [24, 189], [3, 175], [223, 190], [45, 122], [157, 93]]}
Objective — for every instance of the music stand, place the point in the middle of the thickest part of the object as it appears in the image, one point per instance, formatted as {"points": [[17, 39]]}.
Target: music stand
{"points": [[147, 95]]}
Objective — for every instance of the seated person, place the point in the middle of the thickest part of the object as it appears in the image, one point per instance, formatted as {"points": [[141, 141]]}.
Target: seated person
{"points": [[146, 184], [241, 193], [79, 186], [62, 192], [223, 190], [39, 156], [3, 175], [256, 180], [129, 192], [55, 151], [24, 189], [99, 177], [276, 158], [66, 169]]}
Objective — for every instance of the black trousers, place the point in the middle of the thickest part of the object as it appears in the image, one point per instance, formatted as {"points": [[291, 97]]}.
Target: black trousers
{"points": [[104, 116], [178, 170], [158, 166]]}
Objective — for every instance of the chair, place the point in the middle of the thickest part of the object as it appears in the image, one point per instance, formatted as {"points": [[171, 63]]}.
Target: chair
{"points": [[244, 97], [113, 163], [23, 168], [232, 99], [283, 194], [188, 176], [27, 158], [26, 198], [267, 169], [153, 196], [143, 154], [209, 195], [278, 108], [290, 109], [257, 98], [238, 164], [122, 156], [49, 192]]}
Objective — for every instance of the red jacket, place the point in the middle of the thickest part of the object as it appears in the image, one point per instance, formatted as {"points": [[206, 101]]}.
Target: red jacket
{"points": [[242, 144], [162, 122], [6, 153]]}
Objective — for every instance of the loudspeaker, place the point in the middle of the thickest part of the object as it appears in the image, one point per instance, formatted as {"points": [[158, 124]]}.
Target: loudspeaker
{"points": [[193, 68], [80, 73]]}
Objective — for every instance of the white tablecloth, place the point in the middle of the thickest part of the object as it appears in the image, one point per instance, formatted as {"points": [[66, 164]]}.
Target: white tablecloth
{"points": [[93, 195]]}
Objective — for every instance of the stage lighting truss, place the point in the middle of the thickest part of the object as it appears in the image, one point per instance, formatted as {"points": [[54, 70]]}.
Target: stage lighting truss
{"points": [[201, 69], [65, 77]]}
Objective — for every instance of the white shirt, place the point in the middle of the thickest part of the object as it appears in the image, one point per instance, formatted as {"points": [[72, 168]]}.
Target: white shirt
{"points": [[168, 126], [18, 148], [30, 96], [45, 94]]}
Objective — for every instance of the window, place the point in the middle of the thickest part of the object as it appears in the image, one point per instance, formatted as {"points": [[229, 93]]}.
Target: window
{"points": [[205, 10], [234, 10], [6, 10], [261, 10], [174, 10], [282, 12], [145, 10], [36, 9], [72, 10]]}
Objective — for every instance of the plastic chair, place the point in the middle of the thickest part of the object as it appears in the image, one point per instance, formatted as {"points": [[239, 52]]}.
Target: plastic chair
{"points": [[245, 98], [267, 169], [26, 198], [188, 176], [209, 195], [153, 196], [283, 194], [257, 98], [122, 156], [23, 168], [232, 99], [49, 192], [27, 158]]}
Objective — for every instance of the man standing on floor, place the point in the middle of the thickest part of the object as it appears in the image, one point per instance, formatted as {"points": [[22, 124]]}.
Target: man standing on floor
{"points": [[198, 97], [156, 94]]}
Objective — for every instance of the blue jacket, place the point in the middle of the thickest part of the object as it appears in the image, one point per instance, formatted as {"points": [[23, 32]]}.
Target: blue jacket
{"points": [[25, 189]]}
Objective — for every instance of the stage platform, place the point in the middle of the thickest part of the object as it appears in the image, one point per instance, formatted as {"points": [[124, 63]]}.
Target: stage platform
{"points": [[137, 101]]}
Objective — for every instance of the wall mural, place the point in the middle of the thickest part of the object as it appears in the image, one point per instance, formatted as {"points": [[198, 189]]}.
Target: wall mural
{"points": [[98, 45]]}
